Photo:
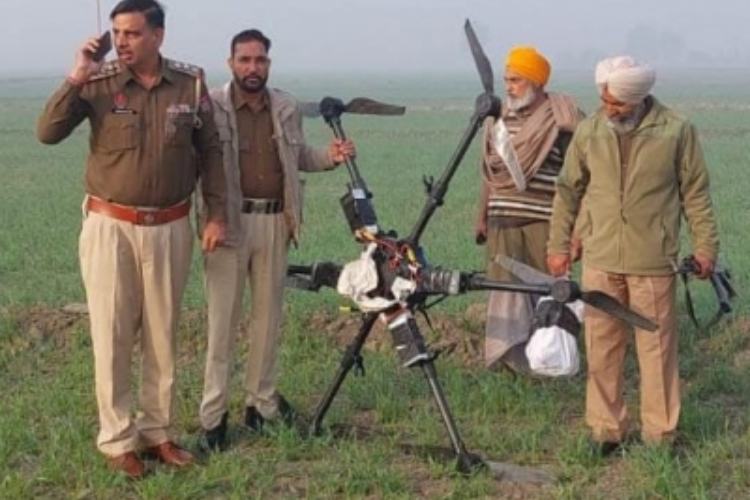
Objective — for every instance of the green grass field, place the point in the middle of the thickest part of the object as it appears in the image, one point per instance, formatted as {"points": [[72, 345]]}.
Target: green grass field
{"points": [[385, 423]]}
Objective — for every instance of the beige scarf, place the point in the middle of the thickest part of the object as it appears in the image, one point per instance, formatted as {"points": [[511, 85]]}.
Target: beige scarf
{"points": [[532, 143]]}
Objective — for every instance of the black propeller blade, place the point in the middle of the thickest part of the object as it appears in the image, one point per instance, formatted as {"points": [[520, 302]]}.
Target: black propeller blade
{"points": [[523, 272], [365, 106], [483, 64], [594, 298], [358, 105], [611, 306]]}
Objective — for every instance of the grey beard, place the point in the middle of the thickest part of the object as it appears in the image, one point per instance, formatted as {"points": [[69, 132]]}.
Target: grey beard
{"points": [[516, 103], [629, 123]]}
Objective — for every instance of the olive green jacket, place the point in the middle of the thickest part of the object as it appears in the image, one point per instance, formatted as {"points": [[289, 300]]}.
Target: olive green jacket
{"points": [[631, 220]]}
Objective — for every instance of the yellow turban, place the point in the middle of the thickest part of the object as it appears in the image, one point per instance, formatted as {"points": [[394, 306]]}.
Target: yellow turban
{"points": [[529, 63]]}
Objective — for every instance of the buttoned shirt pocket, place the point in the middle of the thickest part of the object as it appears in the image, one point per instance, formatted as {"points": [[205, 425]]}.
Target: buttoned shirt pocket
{"points": [[293, 141], [118, 132], [179, 126]]}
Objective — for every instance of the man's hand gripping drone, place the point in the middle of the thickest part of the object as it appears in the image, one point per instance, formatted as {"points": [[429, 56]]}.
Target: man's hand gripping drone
{"points": [[392, 279]]}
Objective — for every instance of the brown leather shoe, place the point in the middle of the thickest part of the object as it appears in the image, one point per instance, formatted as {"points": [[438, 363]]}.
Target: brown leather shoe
{"points": [[127, 463], [169, 453]]}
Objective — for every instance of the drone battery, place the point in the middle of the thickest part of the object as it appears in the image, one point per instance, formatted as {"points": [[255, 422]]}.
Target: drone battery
{"points": [[408, 341], [358, 211]]}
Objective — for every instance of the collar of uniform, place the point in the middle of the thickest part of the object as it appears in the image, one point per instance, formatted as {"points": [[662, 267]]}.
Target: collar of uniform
{"points": [[239, 99], [165, 73]]}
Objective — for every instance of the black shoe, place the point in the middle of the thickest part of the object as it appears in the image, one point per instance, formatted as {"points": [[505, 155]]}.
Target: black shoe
{"points": [[604, 449], [253, 419], [216, 439]]}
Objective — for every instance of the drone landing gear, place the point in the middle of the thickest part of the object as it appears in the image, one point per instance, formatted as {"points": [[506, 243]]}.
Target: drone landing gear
{"points": [[412, 351]]}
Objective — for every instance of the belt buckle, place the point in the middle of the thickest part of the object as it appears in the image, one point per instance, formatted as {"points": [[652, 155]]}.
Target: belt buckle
{"points": [[148, 218]]}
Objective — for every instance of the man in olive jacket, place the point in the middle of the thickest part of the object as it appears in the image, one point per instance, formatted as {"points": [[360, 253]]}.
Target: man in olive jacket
{"points": [[264, 149], [640, 166]]}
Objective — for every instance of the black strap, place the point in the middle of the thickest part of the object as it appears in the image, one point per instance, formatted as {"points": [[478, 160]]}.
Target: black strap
{"points": [[689, 300], [691, 309]]}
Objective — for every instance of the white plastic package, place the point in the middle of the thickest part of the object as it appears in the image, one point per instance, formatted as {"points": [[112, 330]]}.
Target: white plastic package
{"points": [[552, 351]]}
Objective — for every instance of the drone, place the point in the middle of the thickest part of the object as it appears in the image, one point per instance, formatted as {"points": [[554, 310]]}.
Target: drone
{"points": [[392, 279]]}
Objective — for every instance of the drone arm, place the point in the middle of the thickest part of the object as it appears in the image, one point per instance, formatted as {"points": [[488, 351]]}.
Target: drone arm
{"points": [[436, 194], [481, 282], [351, 164], [315, 276]]}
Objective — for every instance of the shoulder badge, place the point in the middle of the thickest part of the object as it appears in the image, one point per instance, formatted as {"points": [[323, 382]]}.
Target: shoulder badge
{"points": [[108, 69], [188, 69]]}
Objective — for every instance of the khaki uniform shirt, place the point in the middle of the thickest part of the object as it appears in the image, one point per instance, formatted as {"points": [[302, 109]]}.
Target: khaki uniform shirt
{"points": [[294, 153], [147, 146], [261, 172]]}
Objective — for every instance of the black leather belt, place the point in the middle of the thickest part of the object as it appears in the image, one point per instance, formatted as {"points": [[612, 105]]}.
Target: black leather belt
{"points": [[261, 206]]}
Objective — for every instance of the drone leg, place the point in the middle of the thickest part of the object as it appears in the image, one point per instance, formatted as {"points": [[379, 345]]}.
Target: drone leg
{"points": [[412, 351], [466, 462], [351, 358]]}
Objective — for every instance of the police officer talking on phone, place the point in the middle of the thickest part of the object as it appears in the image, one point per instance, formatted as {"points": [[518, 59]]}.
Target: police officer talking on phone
{"points": [[152, 135]]}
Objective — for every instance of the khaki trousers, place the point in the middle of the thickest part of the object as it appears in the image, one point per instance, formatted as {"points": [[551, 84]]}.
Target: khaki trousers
{"points": [[260, 258], [134, 278], [509, 313], [606, 343]]}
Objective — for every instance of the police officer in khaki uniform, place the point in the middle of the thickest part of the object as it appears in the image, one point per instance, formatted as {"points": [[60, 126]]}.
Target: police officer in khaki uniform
{"points": [[264, 150], [152, 135]]}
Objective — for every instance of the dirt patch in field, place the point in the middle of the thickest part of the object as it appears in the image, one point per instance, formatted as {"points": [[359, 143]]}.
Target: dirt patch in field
{"points": [[38, 324], [427, 484], [460, 336]]}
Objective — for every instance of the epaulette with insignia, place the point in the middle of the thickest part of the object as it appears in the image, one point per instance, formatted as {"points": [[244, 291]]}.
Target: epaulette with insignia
{"points": [[187, 68], [108, 69]]}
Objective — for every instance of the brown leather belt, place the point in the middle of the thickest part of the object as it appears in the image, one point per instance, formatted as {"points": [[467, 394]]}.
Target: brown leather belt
{"points": [[261, 206], [138, 216]]}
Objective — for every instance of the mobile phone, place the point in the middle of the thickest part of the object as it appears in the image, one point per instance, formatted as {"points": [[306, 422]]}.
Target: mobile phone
{"points": [[105, 45]]}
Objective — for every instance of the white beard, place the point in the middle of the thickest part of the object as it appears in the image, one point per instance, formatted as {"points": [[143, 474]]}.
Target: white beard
{"points": [[516, 103], [630, 123]]}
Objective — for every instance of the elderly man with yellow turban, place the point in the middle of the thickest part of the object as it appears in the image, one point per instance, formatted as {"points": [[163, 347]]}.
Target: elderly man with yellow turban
{"points": [[640, 166], [522, 155]]}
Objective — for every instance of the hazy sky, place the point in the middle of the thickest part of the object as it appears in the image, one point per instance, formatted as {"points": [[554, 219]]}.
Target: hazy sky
{"points": [[398, 36]]}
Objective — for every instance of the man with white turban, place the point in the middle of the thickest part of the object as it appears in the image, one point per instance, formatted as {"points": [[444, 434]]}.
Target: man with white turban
{"points": [[640, 166], [523, 152]]}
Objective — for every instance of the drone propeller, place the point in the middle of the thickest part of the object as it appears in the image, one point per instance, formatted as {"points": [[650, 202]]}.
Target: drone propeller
{"points": [[480, 58], [365, 106], [594, 298], [358, 105], [523, 272], [309, 109]]}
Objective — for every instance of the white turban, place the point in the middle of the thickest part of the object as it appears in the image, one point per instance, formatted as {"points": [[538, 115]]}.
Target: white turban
{"points": [[626, 79]]}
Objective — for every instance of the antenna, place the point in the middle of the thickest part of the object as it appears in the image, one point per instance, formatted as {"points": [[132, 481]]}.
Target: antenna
{"points": [[98, 18]]}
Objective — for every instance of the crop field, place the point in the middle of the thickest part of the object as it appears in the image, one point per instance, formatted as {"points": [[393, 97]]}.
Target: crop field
{"points": [[384, 437]]}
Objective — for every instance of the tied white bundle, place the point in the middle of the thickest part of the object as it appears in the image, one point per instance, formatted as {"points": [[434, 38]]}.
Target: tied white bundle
{"points": [[552, 351], [360, 277]]}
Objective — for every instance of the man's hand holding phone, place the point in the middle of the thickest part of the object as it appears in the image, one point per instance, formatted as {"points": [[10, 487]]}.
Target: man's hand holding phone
{"points": [[89, 58]]}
